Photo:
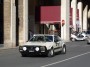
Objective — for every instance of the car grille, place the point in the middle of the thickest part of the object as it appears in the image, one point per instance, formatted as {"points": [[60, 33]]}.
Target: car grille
{"points": [[32, 48]]}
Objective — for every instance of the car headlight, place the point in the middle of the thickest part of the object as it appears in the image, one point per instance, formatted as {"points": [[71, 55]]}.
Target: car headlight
{"points": [[37, 48], [24, 48]]}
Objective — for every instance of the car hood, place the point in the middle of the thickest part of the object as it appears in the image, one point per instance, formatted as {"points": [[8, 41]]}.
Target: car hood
{"points": [[36, 43], [73, 36]]}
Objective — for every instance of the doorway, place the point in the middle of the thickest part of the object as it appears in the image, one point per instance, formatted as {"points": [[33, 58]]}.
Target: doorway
{"points": [[1, 23]]}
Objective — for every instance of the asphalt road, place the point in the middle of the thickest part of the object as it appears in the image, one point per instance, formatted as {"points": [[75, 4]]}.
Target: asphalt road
{"points": [[78, 55]]}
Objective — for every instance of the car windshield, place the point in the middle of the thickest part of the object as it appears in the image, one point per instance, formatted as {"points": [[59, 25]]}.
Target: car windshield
{"points": [[42, 38], [49, 38], [80, 35]]}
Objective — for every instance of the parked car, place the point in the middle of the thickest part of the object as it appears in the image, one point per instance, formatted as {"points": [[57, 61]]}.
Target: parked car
{"points": [[43, 44], [78, 37], [88, 40], [87, 33]]}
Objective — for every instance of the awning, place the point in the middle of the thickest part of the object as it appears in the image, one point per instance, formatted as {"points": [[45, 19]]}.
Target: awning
{"points": [[50, 14]]}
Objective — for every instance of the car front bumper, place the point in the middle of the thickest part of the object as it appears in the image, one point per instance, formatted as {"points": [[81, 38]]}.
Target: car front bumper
{"points": [[32, 51]]}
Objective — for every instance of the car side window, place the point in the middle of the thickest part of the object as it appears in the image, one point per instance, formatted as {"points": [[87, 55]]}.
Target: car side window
{"points": [[56, 39], [47, 39], [80, 35]]}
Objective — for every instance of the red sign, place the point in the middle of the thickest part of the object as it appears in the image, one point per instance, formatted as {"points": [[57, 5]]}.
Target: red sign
{"points": [[71, 15], [77, 14]]}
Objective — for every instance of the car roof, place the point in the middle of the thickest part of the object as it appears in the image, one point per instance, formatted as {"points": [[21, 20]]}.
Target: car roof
{"points": [[43, 35]]}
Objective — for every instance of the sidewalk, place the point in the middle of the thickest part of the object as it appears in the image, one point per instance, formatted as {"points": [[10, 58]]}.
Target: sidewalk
{"points": [[4, 48], [1, 46]]}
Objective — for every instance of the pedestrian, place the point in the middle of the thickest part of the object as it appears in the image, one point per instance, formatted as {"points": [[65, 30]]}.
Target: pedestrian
{"points": [[30, 34]]}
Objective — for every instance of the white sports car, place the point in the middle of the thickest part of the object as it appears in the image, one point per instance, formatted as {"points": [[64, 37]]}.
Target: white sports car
{"points": [[78, 37], [88, 40], [43, 44]]}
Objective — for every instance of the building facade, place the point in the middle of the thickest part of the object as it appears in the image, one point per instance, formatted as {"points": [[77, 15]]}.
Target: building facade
{"points": [[17, 19]]}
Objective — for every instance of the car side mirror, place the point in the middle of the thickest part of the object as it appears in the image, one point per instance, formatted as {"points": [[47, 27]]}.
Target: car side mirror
{"points": [[55, 40]]}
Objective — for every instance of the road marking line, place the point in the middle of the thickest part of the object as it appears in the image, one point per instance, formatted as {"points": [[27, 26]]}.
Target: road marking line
{"points": [[65, 60]]}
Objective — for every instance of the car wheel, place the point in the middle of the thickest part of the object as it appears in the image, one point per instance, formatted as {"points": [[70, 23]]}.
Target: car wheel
{"points": [[51, 53], [63, 50], [88, 43], [73, 39]]}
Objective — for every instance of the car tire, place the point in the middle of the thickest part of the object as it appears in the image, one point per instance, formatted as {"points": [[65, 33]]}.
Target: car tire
{"points": [[73, 39], [50, 53], [88, 43], [63, 50]]}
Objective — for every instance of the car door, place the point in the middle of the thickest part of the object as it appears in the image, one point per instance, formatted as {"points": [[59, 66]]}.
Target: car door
{"points": [[80, 37], [60, 43], [57, 42]]}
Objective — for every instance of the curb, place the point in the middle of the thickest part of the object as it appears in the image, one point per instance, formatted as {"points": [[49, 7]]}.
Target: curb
{"points": [[5, 48]]}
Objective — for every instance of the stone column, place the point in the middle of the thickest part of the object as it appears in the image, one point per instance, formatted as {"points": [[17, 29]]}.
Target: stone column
{"points": [[89, 19], [13, 23], [74, 6], [80, 7], [89, 14], [65, 7], [7, 23], [85, 15], [25, 20]]}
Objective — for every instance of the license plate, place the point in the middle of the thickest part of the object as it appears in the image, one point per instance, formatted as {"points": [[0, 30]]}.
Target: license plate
{"points": [[31, 51]]}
